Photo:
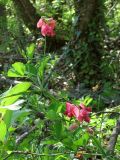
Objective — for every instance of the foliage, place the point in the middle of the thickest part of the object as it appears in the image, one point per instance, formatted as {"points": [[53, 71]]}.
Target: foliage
{"points": [[42, 110], [34, 122]]}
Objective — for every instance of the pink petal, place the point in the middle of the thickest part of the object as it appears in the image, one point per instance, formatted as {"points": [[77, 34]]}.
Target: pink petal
{"points": [[76, 111], [80, 118], [89, 109], [40, 23], [87, 119], [68, 106], [45, 30], [82, 105], [69, 111], [83, 112], [52, 23]]}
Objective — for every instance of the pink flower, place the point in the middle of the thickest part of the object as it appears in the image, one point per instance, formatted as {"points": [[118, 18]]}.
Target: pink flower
{"points": [[81, 113], [69, 109], [46, 30], [87, 108], [52, 23], [84, 113], [76, 111], [40, 23], [47, 26]]}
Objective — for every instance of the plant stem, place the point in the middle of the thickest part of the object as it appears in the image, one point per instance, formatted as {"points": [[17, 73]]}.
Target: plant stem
{"points": [[45, 46]]}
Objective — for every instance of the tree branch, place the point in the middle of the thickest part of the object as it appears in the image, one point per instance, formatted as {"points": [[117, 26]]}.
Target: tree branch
{"points": [[114, 136], [24, 135]]}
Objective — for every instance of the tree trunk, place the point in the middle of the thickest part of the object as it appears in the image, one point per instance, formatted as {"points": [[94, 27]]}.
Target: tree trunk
{"points": [[27, 13], [3, 27], [86, 50]]}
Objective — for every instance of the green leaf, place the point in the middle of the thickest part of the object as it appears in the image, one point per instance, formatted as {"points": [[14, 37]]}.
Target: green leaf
{"points": [[30, 50], [3, 130], [68, 142], [52, 115], [56, 106], [31, 70], [9, 152], [14, 93], [82, 141], [42, 66], [2, 112], [87, 100], [8, 118], [20, 114], [47, 94], [14, 106], [61, 157], [58, 129], [18, 70]]}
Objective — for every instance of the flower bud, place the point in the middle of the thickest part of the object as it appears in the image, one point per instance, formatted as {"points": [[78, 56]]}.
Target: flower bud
{"points": [[73, 126]]}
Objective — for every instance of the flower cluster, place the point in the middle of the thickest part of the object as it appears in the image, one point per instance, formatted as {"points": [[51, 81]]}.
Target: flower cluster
{"points": [[81, 112], [47, 26]]}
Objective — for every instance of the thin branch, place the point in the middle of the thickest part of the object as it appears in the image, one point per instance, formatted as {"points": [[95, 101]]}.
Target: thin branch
{"points": [[24, 135], [114, 5], [33, 154], [105, 112], [52, 154], [114, 136]]}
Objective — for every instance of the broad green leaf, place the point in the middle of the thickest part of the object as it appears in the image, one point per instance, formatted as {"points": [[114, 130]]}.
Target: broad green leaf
{"points": [[18, 70], [14, 93], [56, 106], [2, 112], [30, 50], [52, 115], [3, 130], [14, 106], [8, 118]]}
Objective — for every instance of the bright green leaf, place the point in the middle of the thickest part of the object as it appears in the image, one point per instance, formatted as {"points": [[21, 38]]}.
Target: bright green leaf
{"points": [[18, 70], [3, 130], [30, 50], [14, 93], [8, 118]]}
